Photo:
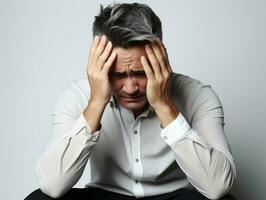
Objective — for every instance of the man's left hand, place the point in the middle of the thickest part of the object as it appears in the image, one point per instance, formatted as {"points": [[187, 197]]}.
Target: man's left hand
{"points": [[159, 72]]}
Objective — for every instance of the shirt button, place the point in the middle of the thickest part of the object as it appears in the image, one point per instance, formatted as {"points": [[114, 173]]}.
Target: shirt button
{"points": [[111, 104], [165, 137], [137, 160], [135, 132], [136, 181]]}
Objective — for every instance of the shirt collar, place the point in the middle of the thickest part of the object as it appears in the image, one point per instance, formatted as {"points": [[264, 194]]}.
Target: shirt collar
{"points": [[113, 103], [147, 112]]}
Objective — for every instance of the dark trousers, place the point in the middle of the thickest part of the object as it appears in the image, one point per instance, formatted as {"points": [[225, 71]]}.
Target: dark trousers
{"points": [[100, 194]]}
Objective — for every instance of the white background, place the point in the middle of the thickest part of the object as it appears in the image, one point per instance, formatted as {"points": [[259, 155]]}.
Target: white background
{"points": [[44, 46]]}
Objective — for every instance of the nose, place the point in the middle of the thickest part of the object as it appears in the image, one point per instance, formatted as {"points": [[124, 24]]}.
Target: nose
{"points": [[130, 85]]}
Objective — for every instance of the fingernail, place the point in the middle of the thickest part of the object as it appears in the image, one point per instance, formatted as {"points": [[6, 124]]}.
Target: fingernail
{"points": [[104, 37]]}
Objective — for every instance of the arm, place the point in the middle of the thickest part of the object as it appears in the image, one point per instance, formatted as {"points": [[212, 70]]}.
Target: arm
{"points": [[62, 164], [76, 131], [201, 151]]}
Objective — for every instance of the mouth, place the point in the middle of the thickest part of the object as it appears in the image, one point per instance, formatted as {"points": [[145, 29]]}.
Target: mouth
{"points": [[132, 98]]}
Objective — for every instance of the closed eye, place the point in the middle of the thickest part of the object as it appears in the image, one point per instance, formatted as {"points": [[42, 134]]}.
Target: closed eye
{"points": [[115, 74], [138, 73]]}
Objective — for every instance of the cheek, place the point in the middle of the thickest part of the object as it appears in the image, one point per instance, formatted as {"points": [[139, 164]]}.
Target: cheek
{"points": [[143, 83], [116, 84]]}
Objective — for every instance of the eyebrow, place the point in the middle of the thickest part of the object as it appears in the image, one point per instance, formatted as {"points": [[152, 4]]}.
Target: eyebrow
{"points": [[131, 72]]}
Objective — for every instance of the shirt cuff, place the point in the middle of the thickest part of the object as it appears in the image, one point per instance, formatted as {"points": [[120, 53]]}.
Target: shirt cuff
{"points": [[176, 130], [82, 132]]}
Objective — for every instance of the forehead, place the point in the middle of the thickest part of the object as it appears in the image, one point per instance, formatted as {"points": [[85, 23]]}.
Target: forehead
{"points": [[129, 57]]}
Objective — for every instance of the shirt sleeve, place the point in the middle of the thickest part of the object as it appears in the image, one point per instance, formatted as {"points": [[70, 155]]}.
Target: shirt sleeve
{"points": [[62, 163], [201, 149]]}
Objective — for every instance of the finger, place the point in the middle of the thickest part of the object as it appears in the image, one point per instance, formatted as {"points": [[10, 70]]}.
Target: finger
{"points": [[162, 47], [93, 47], [104, 56], [159, 56], [99, 49], [155, 65], [108, 64], [147, 68], [164, 52]]}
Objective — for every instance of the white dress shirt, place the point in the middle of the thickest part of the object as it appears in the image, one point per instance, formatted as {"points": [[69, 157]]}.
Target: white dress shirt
{"points": [[138, 157]]}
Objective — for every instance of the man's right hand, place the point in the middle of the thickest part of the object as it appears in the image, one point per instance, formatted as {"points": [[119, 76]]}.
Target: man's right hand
{"points": [[100, 62]]}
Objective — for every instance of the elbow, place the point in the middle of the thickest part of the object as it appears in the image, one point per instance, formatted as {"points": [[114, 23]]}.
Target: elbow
{"points": [[53, 192], [50, 185], [217, 193], [220, 188], [53, 180], [220, 181], [52, 188]]}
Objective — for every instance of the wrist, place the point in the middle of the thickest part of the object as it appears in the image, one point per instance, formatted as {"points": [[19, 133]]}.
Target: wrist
{"points": [[93, 114], [98, 103], [166, 113]]}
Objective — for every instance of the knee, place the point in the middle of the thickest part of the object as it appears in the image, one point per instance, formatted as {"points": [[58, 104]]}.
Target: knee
{"points": [[37, 195]]}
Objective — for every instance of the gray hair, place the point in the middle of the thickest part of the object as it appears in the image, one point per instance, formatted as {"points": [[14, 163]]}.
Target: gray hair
{"points": [[127, 25]]}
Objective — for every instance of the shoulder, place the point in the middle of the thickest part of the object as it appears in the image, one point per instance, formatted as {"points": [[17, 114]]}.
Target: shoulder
{"points": [[73, 99], [185, 83], [188, 87], [193, 97], [185, 88]]}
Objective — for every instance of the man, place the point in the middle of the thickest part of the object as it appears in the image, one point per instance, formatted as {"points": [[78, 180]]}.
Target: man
{"points": [[146, 131]]}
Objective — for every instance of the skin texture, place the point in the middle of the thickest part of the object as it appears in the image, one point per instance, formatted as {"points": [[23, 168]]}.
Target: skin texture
{"points": [[159, 71], [128, 79], [138, 76]]}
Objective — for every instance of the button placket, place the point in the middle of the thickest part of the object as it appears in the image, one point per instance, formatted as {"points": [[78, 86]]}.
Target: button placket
{"points": [[136, 161]]}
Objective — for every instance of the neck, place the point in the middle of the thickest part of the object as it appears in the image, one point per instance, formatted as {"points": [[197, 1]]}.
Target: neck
{"points": [[139, 112]]}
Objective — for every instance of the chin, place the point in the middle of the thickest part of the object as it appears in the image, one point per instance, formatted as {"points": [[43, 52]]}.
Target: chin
{"points": [[134, 106]]}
